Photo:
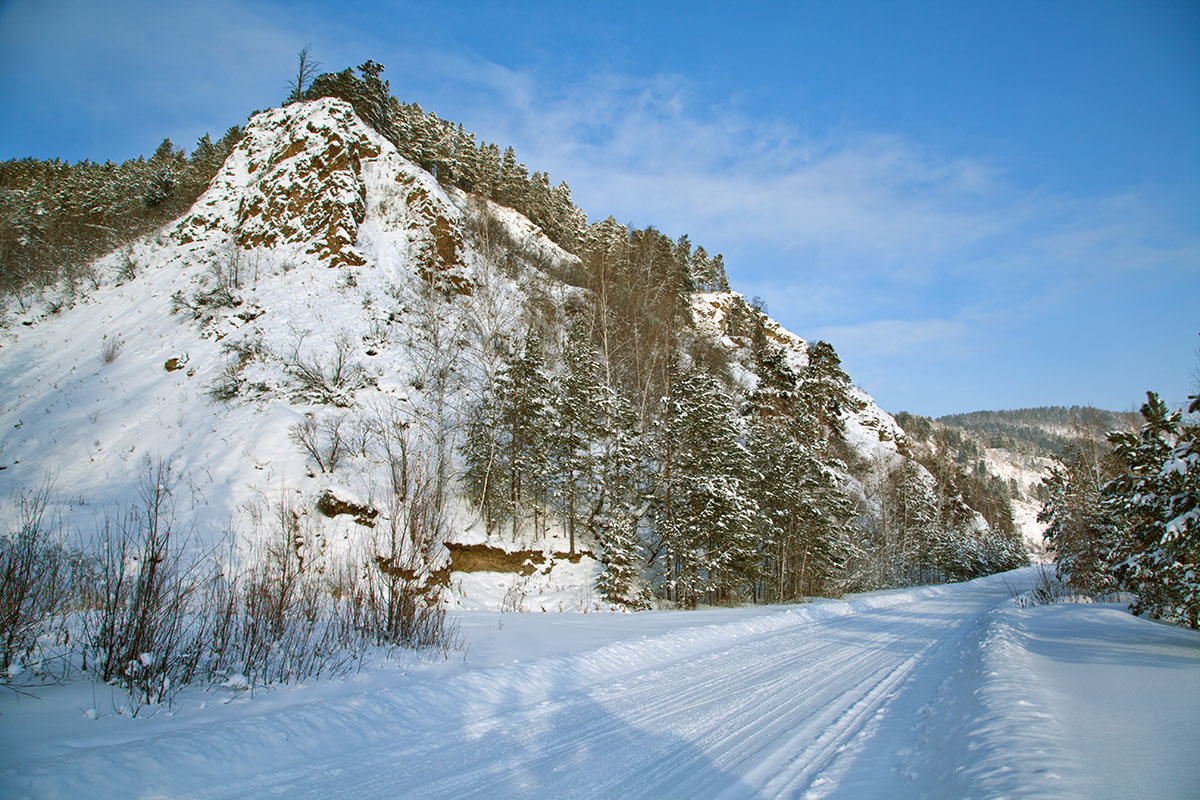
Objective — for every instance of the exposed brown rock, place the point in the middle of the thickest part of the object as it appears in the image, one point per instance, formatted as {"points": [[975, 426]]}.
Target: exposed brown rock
{"points": [[485, 558], [331, 506]]}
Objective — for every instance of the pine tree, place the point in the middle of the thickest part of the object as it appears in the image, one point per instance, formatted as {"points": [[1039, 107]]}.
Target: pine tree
{"points": [[481, 452], [1078, 530], [700, 267], [512, 187], [505, 450], [620, 506], [525, 412], [466, 156], [1154, 501], [569, 221], [576, 408], [489, 171], [705, 511], [825, 389], [719, 278], [915, 516]]}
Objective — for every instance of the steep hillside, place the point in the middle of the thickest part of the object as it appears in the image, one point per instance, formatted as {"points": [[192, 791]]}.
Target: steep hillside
{"points": [[1009, 453], [332, 338]]}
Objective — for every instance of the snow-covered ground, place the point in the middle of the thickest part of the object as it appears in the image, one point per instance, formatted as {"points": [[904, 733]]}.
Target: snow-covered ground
{"points": [[947, 691]]}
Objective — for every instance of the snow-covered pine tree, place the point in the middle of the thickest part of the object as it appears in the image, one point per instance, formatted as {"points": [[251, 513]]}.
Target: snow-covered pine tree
{"points": [[577, 407], [825, 389], [1153, 500], [804, 514], [620, 505], [512, 187], [526, 413], [505, 453], [481, 452], [719, 278], [489, 170], [1078, 531], [569, 221], [705, 511], [700, 267], [466, 156]]}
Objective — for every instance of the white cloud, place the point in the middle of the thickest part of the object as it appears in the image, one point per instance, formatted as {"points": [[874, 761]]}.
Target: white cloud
{"points": [[872, 206]]}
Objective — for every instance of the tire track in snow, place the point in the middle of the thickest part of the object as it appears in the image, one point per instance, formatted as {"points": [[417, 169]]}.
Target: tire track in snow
{"points": [[729, 707], [772, 705]]}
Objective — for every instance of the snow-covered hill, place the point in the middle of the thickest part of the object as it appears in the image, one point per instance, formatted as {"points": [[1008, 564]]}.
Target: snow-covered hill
{"points": [[308, 290]]}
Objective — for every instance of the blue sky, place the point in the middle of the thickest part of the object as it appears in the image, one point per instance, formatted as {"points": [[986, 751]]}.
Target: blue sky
{"points": [[981, 205]]}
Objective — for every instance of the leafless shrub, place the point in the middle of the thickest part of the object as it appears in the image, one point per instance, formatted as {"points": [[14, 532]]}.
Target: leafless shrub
{"points": [[35, 583], [223, 280], [138, 636], [155, 616], [327, 380], [127, 266], [90, 274], [228, 383], [389, 428], [361, 436], [399, 596], [514, 596], [238, 354], [1047, 589], [109, 348], [274, 619], [324, 441], [179, 302]]}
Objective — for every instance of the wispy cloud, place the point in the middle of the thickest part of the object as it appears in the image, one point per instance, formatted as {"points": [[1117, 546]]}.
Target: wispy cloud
{"points": [[872, 204], [139, 70]]}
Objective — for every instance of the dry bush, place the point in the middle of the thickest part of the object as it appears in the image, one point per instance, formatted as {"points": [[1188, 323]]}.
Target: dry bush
{"points": [[328, 380], [224, 280], [154, 615], [109, 348], [1047, 589], [35, 582], [138, 636], [326, 442], [399, 595], [274, 619], [238, 354], [127, 267]]}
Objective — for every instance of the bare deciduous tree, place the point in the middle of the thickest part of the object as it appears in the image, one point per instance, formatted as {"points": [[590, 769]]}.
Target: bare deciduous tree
{"points": [[306, 70]]}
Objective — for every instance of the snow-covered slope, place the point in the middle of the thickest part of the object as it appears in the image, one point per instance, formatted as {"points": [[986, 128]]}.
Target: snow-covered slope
{"points": [[1027, 472], [316, 250], [869, 430], [315, 242]]}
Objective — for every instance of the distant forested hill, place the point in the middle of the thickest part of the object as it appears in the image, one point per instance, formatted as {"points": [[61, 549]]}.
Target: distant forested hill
{"points": [[1042, 431]]}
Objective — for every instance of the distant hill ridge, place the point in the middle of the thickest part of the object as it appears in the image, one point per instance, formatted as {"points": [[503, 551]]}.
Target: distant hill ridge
{"points": [[1045, 430]]}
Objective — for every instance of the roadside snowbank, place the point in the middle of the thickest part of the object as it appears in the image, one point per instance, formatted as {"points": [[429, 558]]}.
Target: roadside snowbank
{"points": [[1100, 703]]}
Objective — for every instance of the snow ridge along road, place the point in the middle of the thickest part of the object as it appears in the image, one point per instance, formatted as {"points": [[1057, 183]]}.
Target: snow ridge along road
{"points": [[925, 692]]}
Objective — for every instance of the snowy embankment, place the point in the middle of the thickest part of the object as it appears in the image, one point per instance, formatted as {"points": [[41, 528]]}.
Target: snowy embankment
{"points": [[937, 692]]}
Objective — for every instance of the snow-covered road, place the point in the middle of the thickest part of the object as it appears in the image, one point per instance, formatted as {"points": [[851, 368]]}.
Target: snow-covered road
{"points": [[930, 692]]}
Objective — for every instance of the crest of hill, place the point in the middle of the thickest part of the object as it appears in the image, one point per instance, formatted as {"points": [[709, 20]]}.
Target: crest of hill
{"points": [[1043, 431]]}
